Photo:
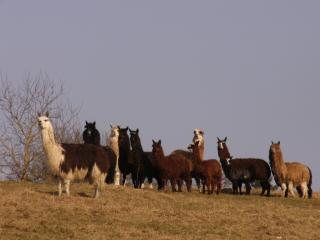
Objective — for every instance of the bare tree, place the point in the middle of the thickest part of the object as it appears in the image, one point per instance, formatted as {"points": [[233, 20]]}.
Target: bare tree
{"points": [[21, 152]]}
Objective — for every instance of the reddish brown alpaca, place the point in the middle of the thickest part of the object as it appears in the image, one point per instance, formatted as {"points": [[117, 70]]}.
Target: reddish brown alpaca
{"points": [[209, 170], [175, 167]]}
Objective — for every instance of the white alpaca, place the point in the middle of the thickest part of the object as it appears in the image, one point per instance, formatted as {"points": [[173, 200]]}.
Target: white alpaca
{"points": [[113, 143], [73, 161]]}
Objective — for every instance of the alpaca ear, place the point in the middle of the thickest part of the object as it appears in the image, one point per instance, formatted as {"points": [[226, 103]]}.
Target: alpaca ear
{"points": [[225, 139], [47, 114], [159, 142], [279, 143], [110, 125], [39, 115], [130, 130], [137, 130], [127, 128], [153, 141], [86, 122], [94, 123], [218, 139]]}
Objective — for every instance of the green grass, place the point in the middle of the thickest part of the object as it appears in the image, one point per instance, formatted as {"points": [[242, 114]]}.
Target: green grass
{"points": [[33, 211]]}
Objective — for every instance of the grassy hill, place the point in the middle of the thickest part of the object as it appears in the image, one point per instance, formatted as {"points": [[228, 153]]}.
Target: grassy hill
{"points": [[33, 211]]}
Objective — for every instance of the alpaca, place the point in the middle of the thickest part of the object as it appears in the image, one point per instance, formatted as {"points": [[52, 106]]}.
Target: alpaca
{"points": [[198, 137], [290, 174], [175, 167], [126, 164], [91, 135], [209, 170], [244, 170], [142, 162], [73, 161], [113, 143]]}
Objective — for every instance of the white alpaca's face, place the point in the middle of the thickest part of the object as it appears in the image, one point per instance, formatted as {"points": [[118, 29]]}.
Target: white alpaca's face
{"points": [[43, 122], [198, 134], [114, 132]]}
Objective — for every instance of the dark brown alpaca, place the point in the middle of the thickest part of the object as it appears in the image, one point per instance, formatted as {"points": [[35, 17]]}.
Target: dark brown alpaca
{"points": [[209, 170], [244, 170], [176, 168]]}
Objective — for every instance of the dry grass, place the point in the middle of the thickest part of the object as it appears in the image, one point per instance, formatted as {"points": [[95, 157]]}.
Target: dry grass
{"points": [[33, 211]]}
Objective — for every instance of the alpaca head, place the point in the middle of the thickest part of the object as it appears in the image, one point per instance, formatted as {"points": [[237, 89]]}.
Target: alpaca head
{"points": [[274, 150], [157, 148], [222, 143], [44, 121], [198, 135], [115, 131], [123, 135], [134, 138], [90, 128]]}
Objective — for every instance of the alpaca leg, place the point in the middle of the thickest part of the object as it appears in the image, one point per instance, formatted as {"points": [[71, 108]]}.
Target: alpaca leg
{"points": [[173, 185], [59, 187], [204, 182], [234, 187], [179, 185], [67, 187], [290, 188], [218, 187], [304, 190], [248, 187], [189, 184], [208, 180], [150, 182], [309, 191], [117, 178], [198, 183], [264, 187], [284, 189]]}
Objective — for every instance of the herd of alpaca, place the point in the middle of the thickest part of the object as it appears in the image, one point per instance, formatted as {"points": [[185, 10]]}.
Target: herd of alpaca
{"points": [[124, 155]]}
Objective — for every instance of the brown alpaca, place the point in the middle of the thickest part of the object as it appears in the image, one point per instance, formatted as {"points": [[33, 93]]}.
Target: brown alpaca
{"points": [[209, 170], [175, 167], [198, 137], [290, 174]]}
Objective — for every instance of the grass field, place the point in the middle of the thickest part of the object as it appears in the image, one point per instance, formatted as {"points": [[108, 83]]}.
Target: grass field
{"points": [[33, 211]]}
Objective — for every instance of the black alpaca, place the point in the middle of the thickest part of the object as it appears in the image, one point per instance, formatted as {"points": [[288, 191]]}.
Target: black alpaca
{"points": [[143, 167], [91, 135], [126, 165], [244, 170]]}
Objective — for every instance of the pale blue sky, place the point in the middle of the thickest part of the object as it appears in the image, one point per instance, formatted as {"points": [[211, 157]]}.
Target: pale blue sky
{"points": [[248, 70]]}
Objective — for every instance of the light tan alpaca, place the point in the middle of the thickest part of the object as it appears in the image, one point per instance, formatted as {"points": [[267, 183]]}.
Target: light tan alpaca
{"points": [[113, 143], [290, 174]]}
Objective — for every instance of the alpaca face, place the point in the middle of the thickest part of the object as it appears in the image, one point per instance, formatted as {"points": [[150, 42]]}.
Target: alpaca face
{"points": [[123, 138], [134, 138], [90, 128], [115, 132], [198, 135], [221, 144], [275, 148], [44, 122]]}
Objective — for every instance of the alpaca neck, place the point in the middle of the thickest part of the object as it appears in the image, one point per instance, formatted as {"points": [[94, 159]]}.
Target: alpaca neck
{"points": [[278, 166], [52, 150], [201, 152], [114, 145]]}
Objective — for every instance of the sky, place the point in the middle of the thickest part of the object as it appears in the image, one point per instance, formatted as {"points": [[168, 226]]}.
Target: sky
{"points": [[248, 70]]}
